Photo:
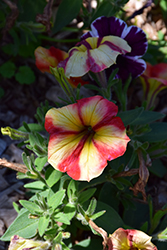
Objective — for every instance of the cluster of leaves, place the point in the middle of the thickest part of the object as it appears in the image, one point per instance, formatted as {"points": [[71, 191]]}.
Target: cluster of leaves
{"points": [[59, 206], [22, 34]]}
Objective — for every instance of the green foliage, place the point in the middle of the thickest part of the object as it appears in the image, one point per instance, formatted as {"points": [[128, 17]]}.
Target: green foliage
{"points": [[25, 75], [7, 70], [69, 10], [60, 209], [22, 226]]}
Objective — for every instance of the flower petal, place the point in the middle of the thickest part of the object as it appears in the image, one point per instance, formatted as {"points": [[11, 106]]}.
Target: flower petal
{"points": [[130, 239], [140, 240], [111, 140], [158, 72], [128, 65], [135, 37], [63, 153], [19, 243], [119, 239], [48, 57], [151, 88], [94, 54], [137, 40], [105, 26], [96, 110], [63, 119]]}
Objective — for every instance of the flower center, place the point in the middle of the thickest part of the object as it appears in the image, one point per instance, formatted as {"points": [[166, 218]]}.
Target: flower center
{"points": [[89, 128], [89, 131]]}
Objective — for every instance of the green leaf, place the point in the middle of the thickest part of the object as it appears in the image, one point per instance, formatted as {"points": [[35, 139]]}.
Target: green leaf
{"points": [[52, 176], [148, 117], [128, 117], [105, 9], [89, 244], [109, 190], [22, 226], [61, 217], [35, 6], [72, 189], [67, 11], [85, 195], [69, 211], [163, 5], [16, 207], [40, 162], [56, 200], [35, 185], [42, 224], [25, 75], [92, 207], [158, 168], [136, 217], [111, 220], [156, 219], [32, 139], [158, 133], [7, 69], [30, 206], [97, 215], [36, 139], [33, 127]]}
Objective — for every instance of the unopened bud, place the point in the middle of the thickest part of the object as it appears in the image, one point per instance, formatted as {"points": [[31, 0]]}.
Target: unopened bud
{"points": [[14, 134]]}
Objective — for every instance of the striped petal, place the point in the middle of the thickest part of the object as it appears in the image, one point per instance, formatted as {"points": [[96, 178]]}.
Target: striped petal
{"points": [[131, 62], [84, 136], [46, 58], [130, 239], [94, 54]]}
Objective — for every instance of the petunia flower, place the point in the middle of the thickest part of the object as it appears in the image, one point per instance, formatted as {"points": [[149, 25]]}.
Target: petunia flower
{"points": [[93, 54], [130, 239], [154, 80], [84, 136], [19, 243], [46, 58], [130, 62]]}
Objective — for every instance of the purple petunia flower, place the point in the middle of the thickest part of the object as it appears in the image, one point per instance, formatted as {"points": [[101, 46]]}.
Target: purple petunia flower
{"points": [[130, 62]]}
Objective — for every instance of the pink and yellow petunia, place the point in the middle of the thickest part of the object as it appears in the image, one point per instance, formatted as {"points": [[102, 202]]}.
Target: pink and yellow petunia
{"points": [[130, 239], [46, 58], [94, 54], [154, 80], [84, 136], [19, 243]]}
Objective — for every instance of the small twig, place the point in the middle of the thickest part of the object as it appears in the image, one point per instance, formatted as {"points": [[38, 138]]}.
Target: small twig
{"points": [[130, 172], [143, 175], [15, 166]]}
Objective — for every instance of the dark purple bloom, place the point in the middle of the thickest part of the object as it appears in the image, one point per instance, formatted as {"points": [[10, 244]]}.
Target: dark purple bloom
{"points": [[130, 63]]}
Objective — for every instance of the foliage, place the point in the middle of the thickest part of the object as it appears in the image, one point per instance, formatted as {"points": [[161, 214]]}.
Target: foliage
{"points": [[61, 210]]}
